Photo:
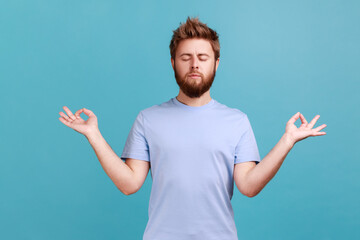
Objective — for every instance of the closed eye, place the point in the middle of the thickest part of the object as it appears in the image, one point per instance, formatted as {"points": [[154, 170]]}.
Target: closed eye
{"points": [[201, 59]]}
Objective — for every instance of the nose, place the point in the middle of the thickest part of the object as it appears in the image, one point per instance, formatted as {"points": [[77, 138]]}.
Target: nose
{"points": [[194, 64]]}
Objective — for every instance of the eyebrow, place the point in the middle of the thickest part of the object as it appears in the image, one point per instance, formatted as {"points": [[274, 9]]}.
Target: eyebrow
{"points": [[200, 54]]}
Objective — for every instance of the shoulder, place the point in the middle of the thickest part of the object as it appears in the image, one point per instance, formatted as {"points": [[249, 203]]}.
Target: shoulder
{"points": [[235, 112], [155, 109]]}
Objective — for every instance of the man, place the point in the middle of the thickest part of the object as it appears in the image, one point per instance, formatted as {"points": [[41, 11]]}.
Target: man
{"points": [[194, 146]]}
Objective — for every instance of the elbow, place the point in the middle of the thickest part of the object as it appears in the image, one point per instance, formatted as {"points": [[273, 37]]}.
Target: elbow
{"points": [[251, 194], [128, 192], [127, 188], [248, 193]]}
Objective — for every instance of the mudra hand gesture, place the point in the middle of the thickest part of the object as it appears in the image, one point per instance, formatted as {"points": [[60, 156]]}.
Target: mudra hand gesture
{"points": [[77, 123], [305, 130]]}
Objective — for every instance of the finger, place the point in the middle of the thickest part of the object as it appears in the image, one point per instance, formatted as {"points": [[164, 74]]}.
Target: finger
{"points": [[66, 117], [303, 120], [88, 112], [67, 123], [312, 123], [78, 112], [320, 127], [319, 134], [69, 113], [294, 118]]}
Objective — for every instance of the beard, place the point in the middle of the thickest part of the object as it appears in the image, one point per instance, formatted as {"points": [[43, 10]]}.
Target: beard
{"points": [[191, 87]]}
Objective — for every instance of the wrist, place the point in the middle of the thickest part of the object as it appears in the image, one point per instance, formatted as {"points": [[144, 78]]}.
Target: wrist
{"points": [[288, 140], [93, 135]]}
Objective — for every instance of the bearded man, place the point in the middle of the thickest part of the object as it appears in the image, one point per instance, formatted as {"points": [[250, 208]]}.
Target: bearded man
{"points": [[194, 146]]}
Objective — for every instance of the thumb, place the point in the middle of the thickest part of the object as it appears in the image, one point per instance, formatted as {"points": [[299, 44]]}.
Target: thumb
{"points": [[294, 118], [88, 112]]}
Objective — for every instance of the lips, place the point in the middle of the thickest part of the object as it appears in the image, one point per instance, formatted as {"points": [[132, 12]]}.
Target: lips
{"points": [[194, 75]]}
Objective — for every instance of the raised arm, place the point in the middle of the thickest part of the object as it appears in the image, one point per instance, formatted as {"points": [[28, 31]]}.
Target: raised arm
{"points": [[127, 178], [250, 178]]}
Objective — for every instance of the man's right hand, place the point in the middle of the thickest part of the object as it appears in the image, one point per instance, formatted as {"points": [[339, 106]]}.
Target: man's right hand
{"points": [[75, 122]]}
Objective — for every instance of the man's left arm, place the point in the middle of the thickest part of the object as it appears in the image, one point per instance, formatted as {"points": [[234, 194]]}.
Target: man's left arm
{"points": [[251, 179]]}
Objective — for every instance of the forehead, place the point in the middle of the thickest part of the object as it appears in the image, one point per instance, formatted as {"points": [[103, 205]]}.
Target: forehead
{"points": [[194, 46]]}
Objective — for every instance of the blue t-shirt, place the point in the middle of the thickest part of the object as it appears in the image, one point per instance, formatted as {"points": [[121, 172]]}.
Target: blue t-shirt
{"points": [[192, 152]]}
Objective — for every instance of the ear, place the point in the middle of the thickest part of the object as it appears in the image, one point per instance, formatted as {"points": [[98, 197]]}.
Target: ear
{"points": [[172, 63], [217, 63]]}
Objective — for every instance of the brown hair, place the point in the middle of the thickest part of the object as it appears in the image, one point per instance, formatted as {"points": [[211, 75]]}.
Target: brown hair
{"points": [[193, 28]]}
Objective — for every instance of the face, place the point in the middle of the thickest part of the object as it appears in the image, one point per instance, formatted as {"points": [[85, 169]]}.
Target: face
{"points": [[194, 66]]}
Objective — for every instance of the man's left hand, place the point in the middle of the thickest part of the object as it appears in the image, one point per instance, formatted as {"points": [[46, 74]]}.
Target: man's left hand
{"points": [[305, 130]]}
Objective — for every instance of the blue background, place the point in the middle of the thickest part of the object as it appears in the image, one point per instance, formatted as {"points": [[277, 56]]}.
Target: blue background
{"points": [[112, 57]]}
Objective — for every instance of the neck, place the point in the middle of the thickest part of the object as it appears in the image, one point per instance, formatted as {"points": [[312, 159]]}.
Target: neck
{"points": [[194, 102]]}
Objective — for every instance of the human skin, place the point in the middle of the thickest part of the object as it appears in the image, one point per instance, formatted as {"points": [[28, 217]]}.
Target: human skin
{"points": [[194, 55], [122, 175], [251, 178]]}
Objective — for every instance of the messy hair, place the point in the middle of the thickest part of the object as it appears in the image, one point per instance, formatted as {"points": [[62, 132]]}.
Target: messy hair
{"points": [[193, 28]]}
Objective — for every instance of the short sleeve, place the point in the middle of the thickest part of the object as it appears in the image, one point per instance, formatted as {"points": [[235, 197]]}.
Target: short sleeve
{"points": [[246, 149], [136, 145]]}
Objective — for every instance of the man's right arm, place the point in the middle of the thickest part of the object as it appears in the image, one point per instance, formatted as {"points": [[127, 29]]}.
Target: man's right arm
{"points": [[128, 179]]}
